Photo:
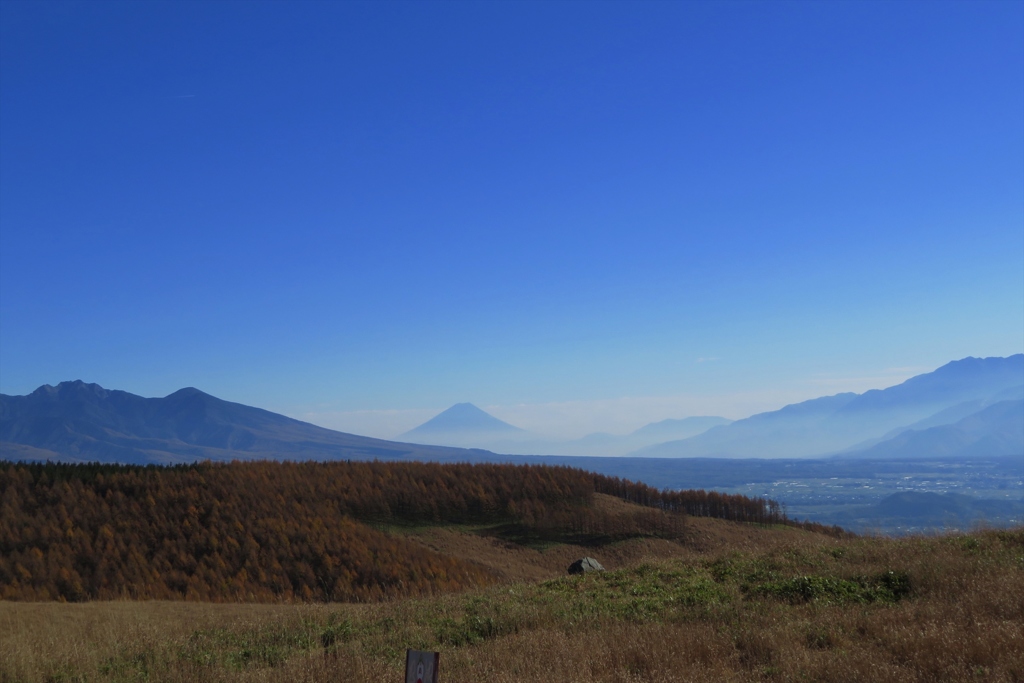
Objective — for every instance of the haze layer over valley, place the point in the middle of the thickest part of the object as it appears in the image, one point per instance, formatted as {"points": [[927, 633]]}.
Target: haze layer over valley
{"points": [[968, 406], [467, 426]]}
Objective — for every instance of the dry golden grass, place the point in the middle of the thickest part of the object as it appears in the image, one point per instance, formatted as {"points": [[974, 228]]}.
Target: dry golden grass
{"points": [[514, 562], [746, 605]]}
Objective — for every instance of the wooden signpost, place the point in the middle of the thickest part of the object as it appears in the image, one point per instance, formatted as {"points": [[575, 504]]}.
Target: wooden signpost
{"points": [[421, 667]]}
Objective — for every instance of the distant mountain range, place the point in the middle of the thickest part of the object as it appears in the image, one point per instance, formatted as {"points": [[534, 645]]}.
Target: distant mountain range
{"points": [[615, 444], [967, 406], [995, 430], [936, 414], [75, 421], [466, 425]]}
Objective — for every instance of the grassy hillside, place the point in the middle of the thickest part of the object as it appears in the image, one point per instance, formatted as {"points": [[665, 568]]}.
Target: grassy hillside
{"points": [[470, 561], [266, 531], [738, 603]]}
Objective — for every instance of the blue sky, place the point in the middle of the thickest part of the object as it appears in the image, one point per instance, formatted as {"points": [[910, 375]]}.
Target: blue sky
{"points": [[574, 214]]}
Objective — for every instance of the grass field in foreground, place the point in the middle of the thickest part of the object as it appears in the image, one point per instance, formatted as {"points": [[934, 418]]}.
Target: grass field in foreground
{"points": [[867, 609]]}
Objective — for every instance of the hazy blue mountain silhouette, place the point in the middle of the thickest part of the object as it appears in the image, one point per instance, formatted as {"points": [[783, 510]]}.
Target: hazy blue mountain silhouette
{"points": [[466, 425], [834, 423], [681, 428], [79, 421], [996, 430], [602, 443], [947, 416], [463, 418]]}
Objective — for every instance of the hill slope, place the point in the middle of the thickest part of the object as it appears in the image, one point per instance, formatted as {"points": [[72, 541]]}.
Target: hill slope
{"points": [[313, 531], [771, 604]]}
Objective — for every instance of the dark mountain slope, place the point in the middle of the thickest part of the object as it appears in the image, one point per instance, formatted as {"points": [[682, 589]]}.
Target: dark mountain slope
{"points": [[80, 421]]}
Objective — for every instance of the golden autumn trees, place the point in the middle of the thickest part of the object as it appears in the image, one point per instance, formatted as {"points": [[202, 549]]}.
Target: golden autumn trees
{"points": [[270, 531]]}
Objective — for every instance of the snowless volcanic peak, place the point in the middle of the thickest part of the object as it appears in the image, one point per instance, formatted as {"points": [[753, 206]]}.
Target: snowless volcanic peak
{"points": [[463, 418]]}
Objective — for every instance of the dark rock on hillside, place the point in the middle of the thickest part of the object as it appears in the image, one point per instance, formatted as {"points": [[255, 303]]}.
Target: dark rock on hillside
{"points": [[584, 565]]}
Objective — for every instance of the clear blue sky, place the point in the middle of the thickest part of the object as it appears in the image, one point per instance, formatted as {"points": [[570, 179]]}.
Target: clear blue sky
{"points": [[327, 208]]}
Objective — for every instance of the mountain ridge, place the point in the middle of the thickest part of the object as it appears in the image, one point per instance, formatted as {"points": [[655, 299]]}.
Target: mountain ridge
{"points": [[830, 424], [995, 430], [80, 421]]}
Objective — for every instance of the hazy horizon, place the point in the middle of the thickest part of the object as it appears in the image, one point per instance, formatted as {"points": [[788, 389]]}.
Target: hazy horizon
{"points": [[574, 419], [622, 415], [578, 217]]}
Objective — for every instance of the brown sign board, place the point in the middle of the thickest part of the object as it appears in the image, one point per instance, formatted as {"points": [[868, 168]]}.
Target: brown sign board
{"points": [[421, 667]]}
